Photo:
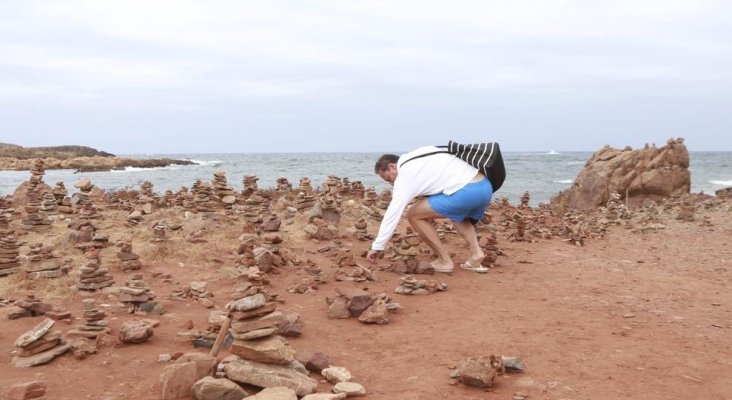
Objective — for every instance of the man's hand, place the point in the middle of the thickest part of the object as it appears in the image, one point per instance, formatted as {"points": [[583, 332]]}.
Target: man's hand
{"points": [[374, 255]]}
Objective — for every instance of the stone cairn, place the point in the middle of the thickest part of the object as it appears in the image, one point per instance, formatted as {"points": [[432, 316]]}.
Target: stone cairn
{"points": [[258, 346], [83, 196], [331, 186], [63, 203], [346, 187], [283, 185], [305, 185], [222, 190], [411, 285], [405, 254], [48, 204], [250, 185], [42, 263], [197, 290], [35, 220], [93, 276], [95, 323], [9, 246], [129, 261], [304, 201], [39, 345], [519, 227], [525, 200], [384, 199], [357, 189], [135, 292], [146, 198], [271, 224], [159, 231], [203, 197], [615, 210], [361, 232]]}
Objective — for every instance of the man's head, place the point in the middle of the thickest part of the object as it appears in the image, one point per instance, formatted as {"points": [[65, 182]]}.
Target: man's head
{"points": [[386, 167]]}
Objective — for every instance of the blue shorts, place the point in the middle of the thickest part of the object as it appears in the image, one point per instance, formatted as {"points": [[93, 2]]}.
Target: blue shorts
{"points": [[469, 202]]}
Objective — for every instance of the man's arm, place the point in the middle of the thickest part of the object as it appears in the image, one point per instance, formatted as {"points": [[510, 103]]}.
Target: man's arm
{"points": [[404, 192]]}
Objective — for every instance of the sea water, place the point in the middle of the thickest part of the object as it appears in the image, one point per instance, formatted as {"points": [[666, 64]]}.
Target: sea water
{"points": [[543, 175]]}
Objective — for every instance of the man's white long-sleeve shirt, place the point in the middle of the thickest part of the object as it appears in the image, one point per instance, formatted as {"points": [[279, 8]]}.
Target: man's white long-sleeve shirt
{"points": [[424, 176]]}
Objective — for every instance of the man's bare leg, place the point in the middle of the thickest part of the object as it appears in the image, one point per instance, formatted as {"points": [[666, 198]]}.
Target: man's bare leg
{"points": [[420, 216], [467, 231]]}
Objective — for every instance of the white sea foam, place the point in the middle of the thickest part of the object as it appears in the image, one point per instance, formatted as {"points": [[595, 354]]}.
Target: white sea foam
{"points": [[575, 162], [564, 181], [552, 152], [722, 183], [138, 169], [211, 163]]}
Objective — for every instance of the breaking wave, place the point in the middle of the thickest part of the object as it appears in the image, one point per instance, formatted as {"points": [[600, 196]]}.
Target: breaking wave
{"points": [[564, 181], [723, 183]]}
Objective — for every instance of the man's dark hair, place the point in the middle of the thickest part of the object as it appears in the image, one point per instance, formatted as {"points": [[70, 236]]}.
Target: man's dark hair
{"points": [[385, 160]]}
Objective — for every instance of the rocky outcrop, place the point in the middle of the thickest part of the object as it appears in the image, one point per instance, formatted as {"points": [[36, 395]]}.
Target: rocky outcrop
{"points": [[90, 164], [646, 174], [61, 152]]}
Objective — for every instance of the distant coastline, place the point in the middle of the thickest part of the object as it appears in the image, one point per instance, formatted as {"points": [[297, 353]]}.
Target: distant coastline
{"points": [[79, 158]]}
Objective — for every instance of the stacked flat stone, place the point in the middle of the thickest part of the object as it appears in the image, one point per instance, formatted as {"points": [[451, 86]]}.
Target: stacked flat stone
{"points": [[169, 199], [6, 206], [405, 254], [83, 196], [42, 263], [48, 204], [89, 211], [332, 185], [250, 185], [222, 190], [346, 187], [63, 202], [9, 252], [198, 290], [29, 306], [370, 197], [329, 206], [525, 200], [519, 222], [39, 345], [93, 276], [304, 201], [357, 189], [361, 232], [95, 323], [135, 292], [283, 185], [203, 198], [35, 220], [305, 185], [615, 210], [134, 218], [384, 199], [160, 231], [290, 213], [129, 261], [146, 189], [254, 327], [411, 285], [254, 206]]}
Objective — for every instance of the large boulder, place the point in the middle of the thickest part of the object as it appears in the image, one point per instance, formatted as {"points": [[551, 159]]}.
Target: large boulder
{"points": [[268, 375], [646, 174]]}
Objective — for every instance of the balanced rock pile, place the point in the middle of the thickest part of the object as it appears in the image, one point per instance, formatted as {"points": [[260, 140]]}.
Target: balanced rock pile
{"points": [[305, 185], [62, 201], [42, 263], [83, 196], [369, 309], [223, 191], [48, 204], [135, 292], [250, 185], [361, 232], [40, 345], [411, 285], [129, 261], [304, 201], [199, 291], [35, 220], [262, 357], [9, 252], [203, 198], [30, 306], [94, 322], [283, 185], [93, 276]]}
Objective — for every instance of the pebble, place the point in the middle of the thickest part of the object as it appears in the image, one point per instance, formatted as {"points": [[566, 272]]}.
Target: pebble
{"points": [[163, 358], [351, 389]]}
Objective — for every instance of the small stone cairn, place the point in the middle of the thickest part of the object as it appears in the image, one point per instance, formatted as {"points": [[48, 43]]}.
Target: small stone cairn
{"points": [[135, 292], [48, 204], [250, 185], [95, 323], [357, 189], [223, 191], [39, 345], [35, 220], [159, 231], [615, 211], [405, 252], [519, 227], [361, 232], [42, 263], [283, 185], [83, 196], [411, 285], [525, 200], [93, 276], [203, 197], [198, 290], [384, 199], [304, 201], [305, 185], [129, 261], [63, 203], [332, 185], [9, 246]]}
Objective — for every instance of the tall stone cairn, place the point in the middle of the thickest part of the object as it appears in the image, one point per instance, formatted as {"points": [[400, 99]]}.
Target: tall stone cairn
{"points": [[94, 324], [525, 200], [35, 220], [83, 196], [357, 189], [203, 198], [283, 185], [135, 292], [224, 193], [129, 261]]}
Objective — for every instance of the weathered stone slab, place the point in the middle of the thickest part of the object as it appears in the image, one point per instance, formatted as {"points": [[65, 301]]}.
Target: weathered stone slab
{"points": [[274, 393], [41, 358], [247, 303], [35, 333], [265, 321], [351, 389], [273, 350], [268, 375], [177, 380], [210, 388]]}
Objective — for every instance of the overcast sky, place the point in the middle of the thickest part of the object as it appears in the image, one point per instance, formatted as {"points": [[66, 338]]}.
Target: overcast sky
{"points": [[133, 77]]}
